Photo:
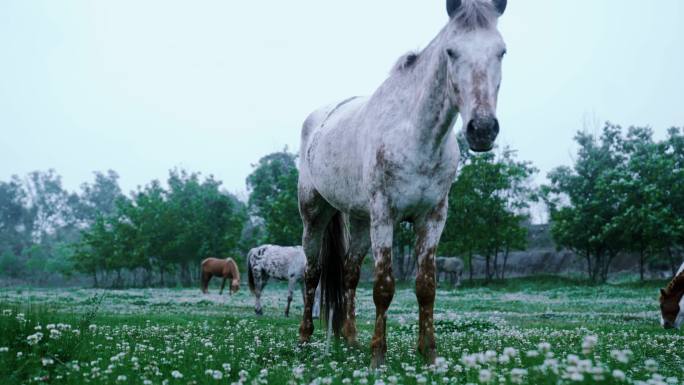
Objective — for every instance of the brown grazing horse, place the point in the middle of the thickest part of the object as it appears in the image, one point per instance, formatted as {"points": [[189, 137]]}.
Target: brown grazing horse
{"points": [[672, 302], [225, 268]]}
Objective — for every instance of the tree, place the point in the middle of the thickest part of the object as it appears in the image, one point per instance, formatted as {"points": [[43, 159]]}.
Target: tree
{"points": [[273, 198], [672, 190], [99, 198], [51, 204], [16, 218], [487, 207], [583, 204], [644, 218], [165, 229]]}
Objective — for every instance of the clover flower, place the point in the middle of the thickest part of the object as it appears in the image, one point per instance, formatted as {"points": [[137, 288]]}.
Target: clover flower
{"points": [[619, 375], [485, 375], [34, 338], [518, 375]]}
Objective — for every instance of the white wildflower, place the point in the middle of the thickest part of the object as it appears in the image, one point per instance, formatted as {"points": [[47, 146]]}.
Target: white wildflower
{"points": [[619, 375], [510, 352], [589, 343], [485, 375], [298, 372], [34, 338], [651, 365], [518, 375]]}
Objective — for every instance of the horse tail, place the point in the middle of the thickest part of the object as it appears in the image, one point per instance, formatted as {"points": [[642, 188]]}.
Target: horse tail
{"points": [[332, 257], [250, 275]]}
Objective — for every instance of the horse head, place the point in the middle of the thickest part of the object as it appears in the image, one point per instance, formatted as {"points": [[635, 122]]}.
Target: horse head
{"points": [[671, 314], [474, 50]]}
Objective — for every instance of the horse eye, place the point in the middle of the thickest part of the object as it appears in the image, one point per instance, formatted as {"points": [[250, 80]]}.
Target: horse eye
{"points": [[452, 54]]}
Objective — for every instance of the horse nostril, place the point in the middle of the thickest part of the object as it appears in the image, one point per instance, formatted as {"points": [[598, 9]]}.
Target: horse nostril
{"points": [[483, 126], [471, 127]]}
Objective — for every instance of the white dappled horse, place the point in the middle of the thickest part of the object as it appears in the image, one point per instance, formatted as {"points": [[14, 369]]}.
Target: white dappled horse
{"points": [[392, 157]]}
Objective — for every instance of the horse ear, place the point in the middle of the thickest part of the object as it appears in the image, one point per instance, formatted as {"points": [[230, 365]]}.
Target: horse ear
{"points": [[500, 5], [453, 6]]}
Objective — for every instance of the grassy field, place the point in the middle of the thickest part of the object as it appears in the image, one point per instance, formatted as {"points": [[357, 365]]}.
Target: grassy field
{"points": [[542, 331]]}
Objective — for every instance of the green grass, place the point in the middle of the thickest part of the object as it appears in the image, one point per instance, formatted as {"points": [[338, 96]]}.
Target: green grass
{"points": [[142, 336]]}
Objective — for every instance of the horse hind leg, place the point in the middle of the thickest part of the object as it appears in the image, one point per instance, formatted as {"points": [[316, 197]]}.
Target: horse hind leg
{"points": [[205, 282], [292, 281], [316, 213], [360, 243], [316, 311]]}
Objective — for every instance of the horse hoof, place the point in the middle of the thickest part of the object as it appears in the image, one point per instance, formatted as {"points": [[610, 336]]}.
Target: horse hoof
{"points": [[259, 312], [353, 343], [303, 340], [377, 360], [430, 355]]}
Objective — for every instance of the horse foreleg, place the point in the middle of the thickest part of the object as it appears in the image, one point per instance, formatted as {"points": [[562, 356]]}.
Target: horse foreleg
{"points": [[223, 284], [260, 279], [428, 232], [382, 231]]}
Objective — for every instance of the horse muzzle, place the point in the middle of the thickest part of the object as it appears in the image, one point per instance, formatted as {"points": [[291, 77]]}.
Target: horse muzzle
{"points": [[481, 133]]}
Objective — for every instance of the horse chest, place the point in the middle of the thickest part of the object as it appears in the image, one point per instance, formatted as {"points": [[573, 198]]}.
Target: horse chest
{"points": [[415, 181]]}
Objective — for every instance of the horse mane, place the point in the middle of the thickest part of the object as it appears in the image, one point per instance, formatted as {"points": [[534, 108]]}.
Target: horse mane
{"points": [[676, 286], [472, 15], [476, 14], [234, 267], [406, 61]]}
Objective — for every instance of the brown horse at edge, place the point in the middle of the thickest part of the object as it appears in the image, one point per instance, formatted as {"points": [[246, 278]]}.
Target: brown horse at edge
{"points": [[224, 268]]}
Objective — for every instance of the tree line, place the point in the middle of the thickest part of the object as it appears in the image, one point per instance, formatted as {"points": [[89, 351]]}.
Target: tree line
{"points": [[621, 197]]}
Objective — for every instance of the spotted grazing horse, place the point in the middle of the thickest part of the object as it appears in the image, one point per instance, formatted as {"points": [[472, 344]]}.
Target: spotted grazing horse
{"points": [[368, 163], [279, 262], [224, 268], [451, 267], [672, 302]]}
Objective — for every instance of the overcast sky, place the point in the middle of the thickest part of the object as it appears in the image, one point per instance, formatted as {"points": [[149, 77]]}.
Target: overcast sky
{"points": [[211, 86]]}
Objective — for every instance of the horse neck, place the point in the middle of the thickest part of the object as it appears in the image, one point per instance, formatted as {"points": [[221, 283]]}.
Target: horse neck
{"points": [[434, 112], [676, 286], [232, 269]]}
